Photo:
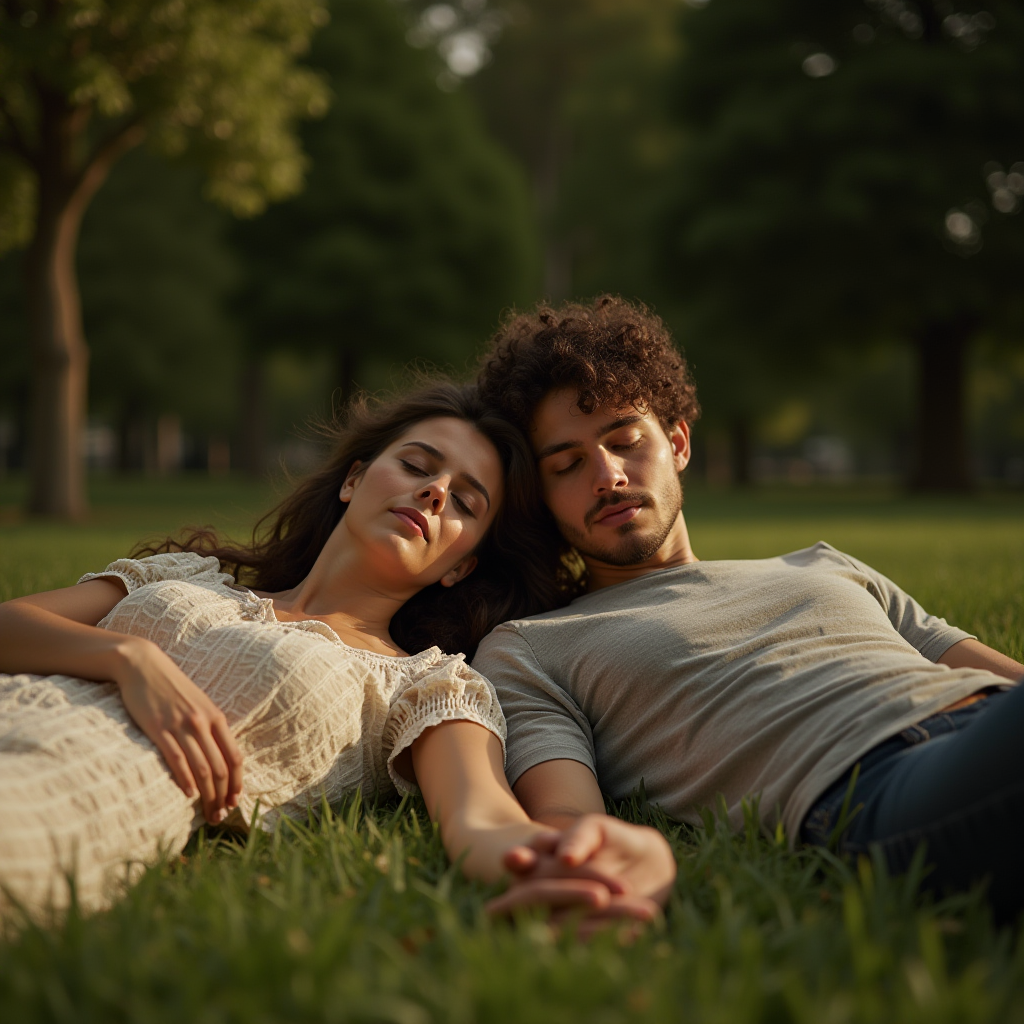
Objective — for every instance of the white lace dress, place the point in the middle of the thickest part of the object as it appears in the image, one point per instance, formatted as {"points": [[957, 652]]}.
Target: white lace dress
{"points": [[82, 788]]}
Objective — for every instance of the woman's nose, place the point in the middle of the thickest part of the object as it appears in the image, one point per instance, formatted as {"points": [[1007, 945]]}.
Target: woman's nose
{"points": [[436, 492]]}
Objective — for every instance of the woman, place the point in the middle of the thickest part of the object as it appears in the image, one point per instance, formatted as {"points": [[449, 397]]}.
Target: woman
{"points": [[157, 680]]}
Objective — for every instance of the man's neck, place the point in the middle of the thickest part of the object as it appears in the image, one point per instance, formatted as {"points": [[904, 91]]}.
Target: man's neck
{"points": [[675, 550]]}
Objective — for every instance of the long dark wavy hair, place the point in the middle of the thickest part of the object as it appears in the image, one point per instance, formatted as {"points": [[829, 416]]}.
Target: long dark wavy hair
{"points": [[518, 572]]}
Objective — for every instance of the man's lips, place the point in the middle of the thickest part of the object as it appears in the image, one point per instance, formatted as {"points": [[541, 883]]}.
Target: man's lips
{"points": [[616, 515], [415, 520]]}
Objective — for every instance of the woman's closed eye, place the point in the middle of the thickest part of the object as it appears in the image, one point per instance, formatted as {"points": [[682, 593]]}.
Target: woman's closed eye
{"points": [[413, 468], [464, 507]]}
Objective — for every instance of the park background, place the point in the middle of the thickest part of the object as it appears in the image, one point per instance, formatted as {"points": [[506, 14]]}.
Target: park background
{"points": [[824, 203]]}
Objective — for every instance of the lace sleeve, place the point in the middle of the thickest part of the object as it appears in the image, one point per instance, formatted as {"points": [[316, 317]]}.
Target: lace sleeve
{"points": [[176, 565], [450, 692]]}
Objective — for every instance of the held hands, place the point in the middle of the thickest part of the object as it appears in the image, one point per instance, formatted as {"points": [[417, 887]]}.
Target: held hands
{"points": [[186, 726], [601, 866]]}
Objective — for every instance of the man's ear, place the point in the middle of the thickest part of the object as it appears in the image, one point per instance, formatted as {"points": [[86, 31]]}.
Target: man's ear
{"points": [[679, 438], [355, 474], [459, 572]]}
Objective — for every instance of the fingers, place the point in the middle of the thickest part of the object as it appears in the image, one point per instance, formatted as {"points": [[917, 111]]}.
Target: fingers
{"points": [[520, 860], [556, 893], [579, 843], [637, 908], [209, 771], [178, 763], [545, 842], [232, 758]]}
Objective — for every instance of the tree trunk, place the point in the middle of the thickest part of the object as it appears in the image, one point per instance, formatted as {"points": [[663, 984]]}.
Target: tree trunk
{"points": [[941, 456], [60, 359]]}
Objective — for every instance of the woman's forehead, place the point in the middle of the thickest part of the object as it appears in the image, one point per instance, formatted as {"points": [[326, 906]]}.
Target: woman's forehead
{"points": [[456, 443]]}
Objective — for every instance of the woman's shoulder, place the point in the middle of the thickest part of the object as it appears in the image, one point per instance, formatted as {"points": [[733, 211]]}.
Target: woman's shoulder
{"points": [[168, 565]]}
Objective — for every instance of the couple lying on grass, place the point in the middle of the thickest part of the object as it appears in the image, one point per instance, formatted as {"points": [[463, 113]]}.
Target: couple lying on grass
{"points": [[534, 523]]}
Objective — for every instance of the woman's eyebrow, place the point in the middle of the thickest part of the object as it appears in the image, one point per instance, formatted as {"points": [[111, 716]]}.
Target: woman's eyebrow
{"points": [[468, 477]]}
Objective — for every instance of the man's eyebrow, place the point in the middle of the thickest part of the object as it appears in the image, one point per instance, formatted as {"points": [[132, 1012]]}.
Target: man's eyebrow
{"points": [[606, 428], [468, 477], [626, 421]]}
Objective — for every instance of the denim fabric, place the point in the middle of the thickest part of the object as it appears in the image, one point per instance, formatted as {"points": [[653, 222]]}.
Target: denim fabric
{"points": [[955, 782]]}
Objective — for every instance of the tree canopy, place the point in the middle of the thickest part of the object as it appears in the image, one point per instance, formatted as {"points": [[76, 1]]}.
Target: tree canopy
{"points": [[414, 229], [82, 82], [853, 172]]}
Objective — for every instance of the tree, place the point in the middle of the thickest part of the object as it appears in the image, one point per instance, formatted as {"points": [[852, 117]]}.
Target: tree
{"points": [[155, 271], [155, 264], [851, 174], [576, 90], [414, 228], [84, 81]]}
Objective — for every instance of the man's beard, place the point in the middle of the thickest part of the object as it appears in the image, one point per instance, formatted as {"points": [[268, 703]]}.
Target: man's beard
{"points": [[634, 546]]}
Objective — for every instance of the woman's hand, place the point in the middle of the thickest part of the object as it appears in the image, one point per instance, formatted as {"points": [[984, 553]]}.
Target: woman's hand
{"points": [[613, 868], [187, 727]]}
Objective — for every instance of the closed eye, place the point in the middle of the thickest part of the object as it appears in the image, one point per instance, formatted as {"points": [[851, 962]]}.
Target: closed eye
{"points": [[463, 507], [413, 468], [568, 469]]}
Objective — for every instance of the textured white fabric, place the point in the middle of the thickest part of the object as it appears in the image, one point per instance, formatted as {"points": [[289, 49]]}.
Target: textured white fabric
{"points": [[81, 787]]}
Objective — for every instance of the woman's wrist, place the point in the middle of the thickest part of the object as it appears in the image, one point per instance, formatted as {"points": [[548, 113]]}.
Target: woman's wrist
{"points": [[128, 658], [483, 847]]}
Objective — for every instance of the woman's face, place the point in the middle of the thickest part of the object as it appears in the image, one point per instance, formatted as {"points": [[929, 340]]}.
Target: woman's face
{"points": [[425, 503]]}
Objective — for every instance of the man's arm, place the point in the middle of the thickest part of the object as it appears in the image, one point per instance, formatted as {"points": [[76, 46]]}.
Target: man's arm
{"points": [[974, 654], [558, 792]]}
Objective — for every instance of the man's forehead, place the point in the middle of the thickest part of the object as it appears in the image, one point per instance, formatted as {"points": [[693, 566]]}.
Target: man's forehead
{"points": [[560, 421]]}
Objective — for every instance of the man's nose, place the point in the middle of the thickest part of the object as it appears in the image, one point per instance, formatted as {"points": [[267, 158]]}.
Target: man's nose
{"points": [[436, 493], [610, 474]]}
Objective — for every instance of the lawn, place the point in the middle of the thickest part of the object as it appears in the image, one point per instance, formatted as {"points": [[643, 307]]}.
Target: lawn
{"points": [[357, 917]]}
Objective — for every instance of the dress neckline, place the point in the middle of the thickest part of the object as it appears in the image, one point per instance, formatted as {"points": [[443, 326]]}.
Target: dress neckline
{"points": [[266, 607]]}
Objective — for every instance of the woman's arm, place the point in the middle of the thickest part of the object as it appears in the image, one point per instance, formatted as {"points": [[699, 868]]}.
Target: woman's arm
{"points": [[602, 865], [56, 633]]}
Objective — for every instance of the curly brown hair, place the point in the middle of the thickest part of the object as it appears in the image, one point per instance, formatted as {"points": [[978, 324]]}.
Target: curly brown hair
{"points": [[608, 350]]}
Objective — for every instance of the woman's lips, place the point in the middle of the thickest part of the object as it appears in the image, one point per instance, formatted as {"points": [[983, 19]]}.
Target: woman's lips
{"points": [[619, 516], [412, 519]]}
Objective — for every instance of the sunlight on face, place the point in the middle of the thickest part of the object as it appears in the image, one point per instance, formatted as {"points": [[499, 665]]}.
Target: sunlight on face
{"points": [[426, 502], [610, 477]]}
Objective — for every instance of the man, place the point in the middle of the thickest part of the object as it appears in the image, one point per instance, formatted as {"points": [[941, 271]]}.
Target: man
{"points": [[774, 678]]}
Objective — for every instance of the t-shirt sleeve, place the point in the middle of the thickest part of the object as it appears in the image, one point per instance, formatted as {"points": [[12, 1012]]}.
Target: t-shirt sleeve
{"points": [[171, 565], [929, 634], [544, 723]]}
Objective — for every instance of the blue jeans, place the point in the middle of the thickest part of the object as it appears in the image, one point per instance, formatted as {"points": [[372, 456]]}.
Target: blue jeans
{"points": [[955, 782]]}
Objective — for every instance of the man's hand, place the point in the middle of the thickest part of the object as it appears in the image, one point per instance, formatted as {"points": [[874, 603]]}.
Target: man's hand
{"points": [[604, 867], [187, 727]]}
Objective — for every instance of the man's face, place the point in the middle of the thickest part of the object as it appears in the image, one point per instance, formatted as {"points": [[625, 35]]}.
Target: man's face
{"points": [[610, 477]]}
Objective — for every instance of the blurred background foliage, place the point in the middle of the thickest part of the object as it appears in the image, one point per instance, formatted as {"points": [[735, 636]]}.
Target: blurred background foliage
{"points": [[823, 201]]}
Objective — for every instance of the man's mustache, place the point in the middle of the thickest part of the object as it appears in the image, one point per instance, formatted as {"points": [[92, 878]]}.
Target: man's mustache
{"points": [[622, 497]]}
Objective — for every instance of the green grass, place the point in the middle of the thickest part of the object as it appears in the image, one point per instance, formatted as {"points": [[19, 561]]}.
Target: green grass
{"points": [[357, 917]]}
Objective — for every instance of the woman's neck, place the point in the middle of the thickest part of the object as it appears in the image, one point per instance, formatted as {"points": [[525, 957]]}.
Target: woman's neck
{"points": [[344, 591]]}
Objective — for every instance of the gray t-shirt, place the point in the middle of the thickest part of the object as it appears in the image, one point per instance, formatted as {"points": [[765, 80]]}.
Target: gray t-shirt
{"points": [[765, 677]]}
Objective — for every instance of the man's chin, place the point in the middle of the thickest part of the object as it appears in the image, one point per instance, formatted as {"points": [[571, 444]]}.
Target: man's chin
{"points": [[633, 548]]}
